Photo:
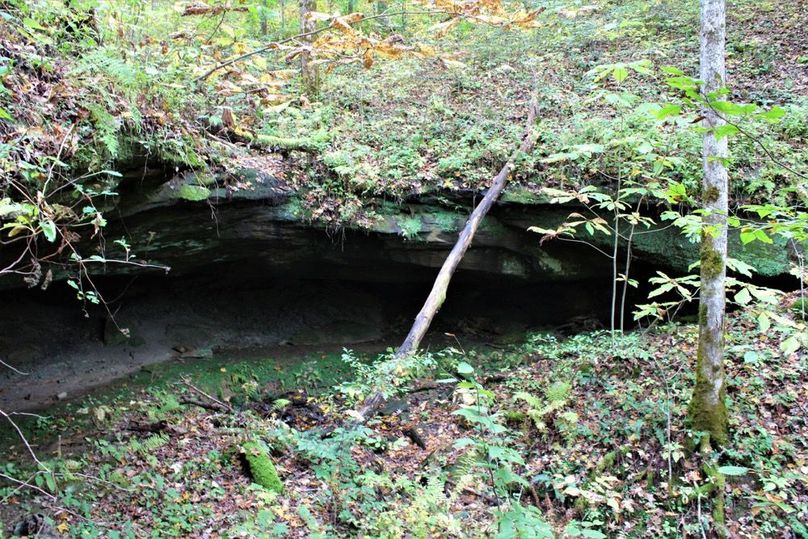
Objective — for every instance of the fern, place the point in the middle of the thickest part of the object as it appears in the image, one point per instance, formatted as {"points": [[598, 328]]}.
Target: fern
{"points": [[465, 464], [148, 445], [107, 129], [556, 397], [108, 63]]}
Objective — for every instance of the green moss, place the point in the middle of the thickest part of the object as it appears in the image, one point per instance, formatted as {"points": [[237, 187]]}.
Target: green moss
{"points": [[193, 193], [712, 263], [261, 467], [447, 222], [710, 195], [704, 415], [523, 196]]}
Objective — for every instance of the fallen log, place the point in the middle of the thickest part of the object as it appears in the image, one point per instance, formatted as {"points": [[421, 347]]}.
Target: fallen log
{"points": [[198, 8], [438, 293]]}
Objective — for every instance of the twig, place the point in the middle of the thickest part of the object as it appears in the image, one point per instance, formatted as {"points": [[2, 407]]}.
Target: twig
{"points": [[24, 441], [208, 406], [13, 368], [227, 407], [56, 159], [754, 139], [25, 484]]}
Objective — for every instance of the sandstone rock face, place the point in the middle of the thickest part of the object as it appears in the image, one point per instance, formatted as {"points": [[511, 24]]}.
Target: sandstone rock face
{"points": [[248, 272], [262, 226]]}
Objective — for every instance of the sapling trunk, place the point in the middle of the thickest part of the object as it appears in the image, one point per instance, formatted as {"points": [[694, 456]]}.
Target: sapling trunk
{"points": [[707, 408]]}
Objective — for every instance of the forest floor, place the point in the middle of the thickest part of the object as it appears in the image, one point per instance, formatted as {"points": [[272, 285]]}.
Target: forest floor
{"points": [[581, 436]]}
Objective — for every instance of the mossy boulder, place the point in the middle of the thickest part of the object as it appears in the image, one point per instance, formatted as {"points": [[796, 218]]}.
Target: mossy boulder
{"points": [[262, 469]]}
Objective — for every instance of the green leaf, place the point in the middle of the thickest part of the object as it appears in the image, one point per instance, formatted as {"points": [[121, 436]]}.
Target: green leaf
{"points": [[464, 368], [32, 24], [4, 115], [49, 230], [724, 131], [790, 345], [683, 83], [747, 236], [762, 236], [764, 322], [667, 111], [743, 297], [733, 470], [671, 70], [773, 114], [50, 481], [620, 74]]}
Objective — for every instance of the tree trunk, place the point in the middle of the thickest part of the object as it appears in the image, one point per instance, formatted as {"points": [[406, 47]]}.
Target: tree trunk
{"points": [[707, 408], [310, 74], [438, 294], [282, 5], [264, 25]]}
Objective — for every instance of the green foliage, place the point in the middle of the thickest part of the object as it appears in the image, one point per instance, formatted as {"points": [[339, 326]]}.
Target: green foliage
{"points": [[410, 227], [387, 374]]}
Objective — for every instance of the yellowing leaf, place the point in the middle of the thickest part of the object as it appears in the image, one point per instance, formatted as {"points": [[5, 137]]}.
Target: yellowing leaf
{"points": [[343, 26], [367, 58], [443, 28]]}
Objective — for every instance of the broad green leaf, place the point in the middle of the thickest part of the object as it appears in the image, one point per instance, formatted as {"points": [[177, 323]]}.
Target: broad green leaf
{"points": [[747, 236], [790, 345], [743, 297], [773, 114], [733, 470], [762, 236], [724, 131], [764, 322], [464, 368], [667, 111], [49, 230]]}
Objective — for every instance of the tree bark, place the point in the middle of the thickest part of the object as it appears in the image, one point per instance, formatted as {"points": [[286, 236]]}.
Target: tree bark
{"points": [[264, 22], [310, 74], [438, 293], [707, 408]]}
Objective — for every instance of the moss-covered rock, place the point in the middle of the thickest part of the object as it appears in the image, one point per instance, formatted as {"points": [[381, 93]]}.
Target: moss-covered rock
{"points": [[262, 469]]}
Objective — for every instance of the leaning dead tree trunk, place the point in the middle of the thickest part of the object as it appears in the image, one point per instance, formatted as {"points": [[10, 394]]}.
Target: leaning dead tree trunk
{"points": [[707, 409], [438, 294]]}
